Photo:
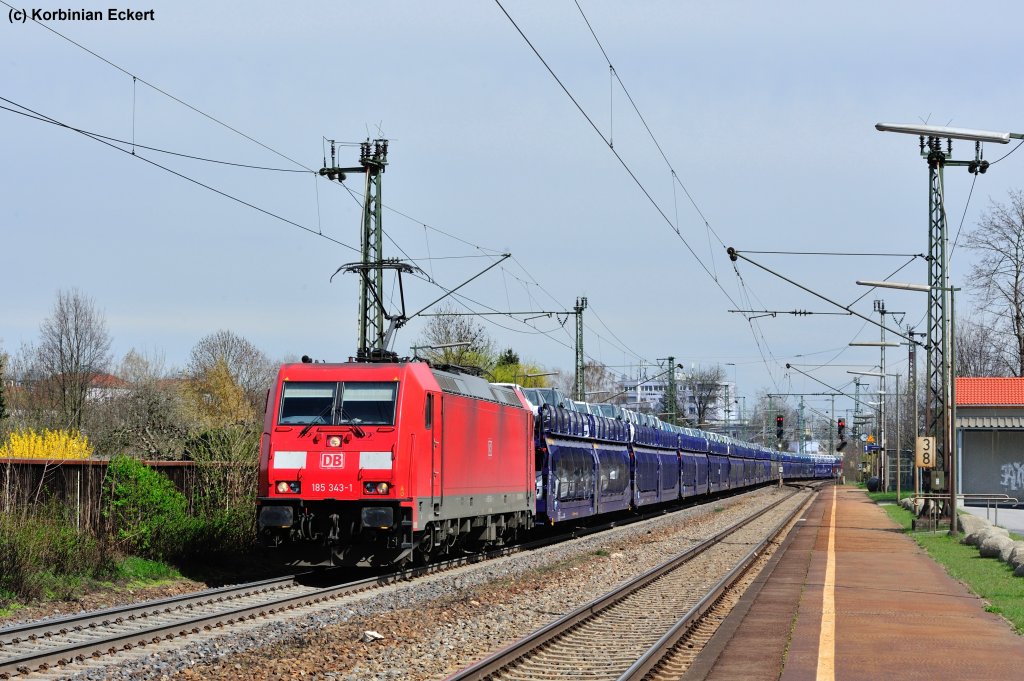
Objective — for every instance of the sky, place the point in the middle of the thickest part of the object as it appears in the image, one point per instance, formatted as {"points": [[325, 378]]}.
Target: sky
{"points": [[764, 111]]}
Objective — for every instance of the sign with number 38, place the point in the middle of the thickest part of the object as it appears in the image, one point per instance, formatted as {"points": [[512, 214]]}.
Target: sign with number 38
{"points": [[925, 452]]}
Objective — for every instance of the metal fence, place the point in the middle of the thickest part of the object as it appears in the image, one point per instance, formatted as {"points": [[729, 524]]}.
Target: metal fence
{"points": [[76, 485]]}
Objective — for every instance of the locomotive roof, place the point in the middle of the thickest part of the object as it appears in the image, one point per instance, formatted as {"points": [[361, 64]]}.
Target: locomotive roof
{"points": [[450, 382], [473, 386]]}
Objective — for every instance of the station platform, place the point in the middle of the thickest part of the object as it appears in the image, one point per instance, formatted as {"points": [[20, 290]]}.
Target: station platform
{"points": [[852, 597]]}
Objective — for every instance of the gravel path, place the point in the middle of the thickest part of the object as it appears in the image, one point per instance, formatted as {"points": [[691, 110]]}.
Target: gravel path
{"points": [[432, 626]]}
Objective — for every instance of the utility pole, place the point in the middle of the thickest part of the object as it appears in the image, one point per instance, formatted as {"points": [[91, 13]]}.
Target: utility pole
{"points": [[856, 424], [912, 389], [940, 409], [581, 391], [373, 158], [883, 468], [831, 428], [800, 424], [670, 390], [899, 451]]}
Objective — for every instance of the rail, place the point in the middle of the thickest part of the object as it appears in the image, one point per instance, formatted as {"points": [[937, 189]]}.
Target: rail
{"points": [[40, 645], [544, 637]]}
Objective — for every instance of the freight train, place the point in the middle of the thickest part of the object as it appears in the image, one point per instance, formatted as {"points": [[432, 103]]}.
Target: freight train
{"points": [[366, 463]]}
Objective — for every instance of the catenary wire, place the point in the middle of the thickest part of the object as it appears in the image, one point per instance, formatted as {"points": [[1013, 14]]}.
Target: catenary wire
{"points": [[136, 145], [622, 161], [184, 177], [301, 165], [164, 92]]}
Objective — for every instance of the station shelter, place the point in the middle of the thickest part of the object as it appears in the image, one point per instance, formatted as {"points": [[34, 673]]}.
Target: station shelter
{"points": [[990, 435]]}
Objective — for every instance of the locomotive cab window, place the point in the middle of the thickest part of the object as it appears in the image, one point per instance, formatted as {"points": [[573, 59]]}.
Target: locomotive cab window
{"points": [[368, 403], [307, 402]]}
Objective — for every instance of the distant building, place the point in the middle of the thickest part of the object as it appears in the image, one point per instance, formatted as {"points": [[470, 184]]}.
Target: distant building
{"points": [[648, 395], [106, 387]]}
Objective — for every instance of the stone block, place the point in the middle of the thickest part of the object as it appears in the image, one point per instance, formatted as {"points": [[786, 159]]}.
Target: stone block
{"points": [[970, 524], [1017, 555], [994, 544]]}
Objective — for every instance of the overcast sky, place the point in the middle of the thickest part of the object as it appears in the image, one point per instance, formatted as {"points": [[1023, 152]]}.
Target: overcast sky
{"points": [[766, 111]]}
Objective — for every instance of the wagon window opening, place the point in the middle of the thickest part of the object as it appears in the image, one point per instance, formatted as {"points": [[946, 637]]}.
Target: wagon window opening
{"points": [[428, 415], [305, 402]]}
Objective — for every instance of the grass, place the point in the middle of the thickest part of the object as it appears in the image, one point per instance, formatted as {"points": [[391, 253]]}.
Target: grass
{"points": [[889, 497], [989, 578], [141, 571]]}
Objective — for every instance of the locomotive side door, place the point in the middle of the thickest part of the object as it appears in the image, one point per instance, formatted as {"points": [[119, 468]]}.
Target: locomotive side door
{"points": [[435, 426]]}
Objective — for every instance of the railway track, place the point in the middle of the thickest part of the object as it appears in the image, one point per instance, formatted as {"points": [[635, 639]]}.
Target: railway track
{"points": [[635, 629], [51, 645], [41, 646]]}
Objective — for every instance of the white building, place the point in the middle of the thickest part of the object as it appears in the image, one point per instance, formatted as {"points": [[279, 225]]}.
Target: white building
{"points": [[647, 394]]}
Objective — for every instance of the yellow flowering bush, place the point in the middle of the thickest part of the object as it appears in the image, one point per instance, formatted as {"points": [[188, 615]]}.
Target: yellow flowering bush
{"points": [[49, 444]]}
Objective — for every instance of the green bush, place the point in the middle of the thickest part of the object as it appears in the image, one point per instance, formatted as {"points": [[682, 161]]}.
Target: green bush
{"points": [[43, 555], [148, 517]]}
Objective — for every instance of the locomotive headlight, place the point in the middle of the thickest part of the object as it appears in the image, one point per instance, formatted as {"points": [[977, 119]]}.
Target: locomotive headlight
{"points": [[289, 487], [334, 441], [382, 488], [369, 487]]}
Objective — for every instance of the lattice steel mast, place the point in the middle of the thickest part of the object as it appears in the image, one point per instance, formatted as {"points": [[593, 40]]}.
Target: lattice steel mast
{"points": [[373, 159], [580, 388]]}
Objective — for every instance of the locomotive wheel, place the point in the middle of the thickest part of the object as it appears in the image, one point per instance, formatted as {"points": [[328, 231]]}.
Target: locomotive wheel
{"points": [[426, 546]]}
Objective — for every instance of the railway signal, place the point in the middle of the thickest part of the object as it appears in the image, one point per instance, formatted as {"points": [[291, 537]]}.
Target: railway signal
{"points": [[778, 426], [841, 428]]}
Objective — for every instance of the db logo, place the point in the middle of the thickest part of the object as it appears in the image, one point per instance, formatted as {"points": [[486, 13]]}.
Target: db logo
{"points": [[332, 460]]}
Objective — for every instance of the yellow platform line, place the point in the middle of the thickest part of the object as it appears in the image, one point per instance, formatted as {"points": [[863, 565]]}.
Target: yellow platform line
{"points": [[827, 641]]}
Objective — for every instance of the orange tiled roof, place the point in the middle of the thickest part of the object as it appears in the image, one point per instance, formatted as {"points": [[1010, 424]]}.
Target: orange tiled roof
{"points": [[107, 381], [1000, 391]]}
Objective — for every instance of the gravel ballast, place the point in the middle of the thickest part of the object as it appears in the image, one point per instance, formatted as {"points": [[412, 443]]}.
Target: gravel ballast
{"points": [[433, 625]]}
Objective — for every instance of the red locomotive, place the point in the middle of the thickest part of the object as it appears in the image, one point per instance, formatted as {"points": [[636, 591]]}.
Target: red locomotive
{"points": [[375, 463]]}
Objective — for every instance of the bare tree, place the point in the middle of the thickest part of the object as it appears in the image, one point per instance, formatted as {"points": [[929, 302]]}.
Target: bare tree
{"points": [[598, 382], [249, 368], [998, 276], [146, 418], [453, 338], [74, 348], [704, 385], [977, 349], [3, 388]]}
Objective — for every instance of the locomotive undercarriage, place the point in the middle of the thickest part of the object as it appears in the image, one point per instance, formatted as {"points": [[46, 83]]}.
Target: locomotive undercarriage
{"points": [[333, 533]]}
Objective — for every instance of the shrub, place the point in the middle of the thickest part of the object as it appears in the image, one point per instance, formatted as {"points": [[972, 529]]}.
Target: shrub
{"points": [[43, 554], [146, 515], [49, 444]]}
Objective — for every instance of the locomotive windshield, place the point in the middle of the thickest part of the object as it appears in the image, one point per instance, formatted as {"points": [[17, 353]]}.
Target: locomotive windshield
{"points": [[305, 403], [330, 403]]}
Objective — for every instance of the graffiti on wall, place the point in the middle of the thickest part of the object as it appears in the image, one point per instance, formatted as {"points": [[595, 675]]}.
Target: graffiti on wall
{"points": [[1013, 475]]}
